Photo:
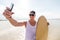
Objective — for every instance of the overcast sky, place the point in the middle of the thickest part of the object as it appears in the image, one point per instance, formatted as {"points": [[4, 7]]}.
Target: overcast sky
{"points": [[48, 8]]}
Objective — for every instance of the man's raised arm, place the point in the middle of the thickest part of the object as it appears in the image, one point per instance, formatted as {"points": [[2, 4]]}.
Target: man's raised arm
{"points": [[8, 15]]}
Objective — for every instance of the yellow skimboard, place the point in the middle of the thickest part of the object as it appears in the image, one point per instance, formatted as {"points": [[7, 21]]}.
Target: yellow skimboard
{"points": [[42, 29]]}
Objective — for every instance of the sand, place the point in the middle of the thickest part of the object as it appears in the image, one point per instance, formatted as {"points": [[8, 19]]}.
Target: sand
{"points": [[9, 32]]}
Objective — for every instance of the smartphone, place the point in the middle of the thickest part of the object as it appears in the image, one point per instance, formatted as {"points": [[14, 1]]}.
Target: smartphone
{"points": [[11, 7]]}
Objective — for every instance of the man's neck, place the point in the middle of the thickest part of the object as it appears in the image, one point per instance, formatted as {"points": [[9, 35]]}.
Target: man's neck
{"points": [[32, 20]]}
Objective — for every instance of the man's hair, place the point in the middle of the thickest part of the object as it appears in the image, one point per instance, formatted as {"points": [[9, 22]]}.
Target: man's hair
{"points": [[32, 12]]}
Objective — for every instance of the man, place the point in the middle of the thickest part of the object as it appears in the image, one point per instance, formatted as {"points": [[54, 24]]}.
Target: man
{"points": [[30, 24]]}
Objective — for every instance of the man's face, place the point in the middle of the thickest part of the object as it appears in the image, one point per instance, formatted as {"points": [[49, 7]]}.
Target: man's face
{"points": [[32, 16]]}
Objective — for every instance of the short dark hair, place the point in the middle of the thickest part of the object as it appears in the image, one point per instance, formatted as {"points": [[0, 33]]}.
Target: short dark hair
{"points": [[32, 12]]}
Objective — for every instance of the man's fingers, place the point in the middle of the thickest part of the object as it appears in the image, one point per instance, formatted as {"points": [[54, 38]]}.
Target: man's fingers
{"points": [[8, 12], [7, 8], [12, 12]]}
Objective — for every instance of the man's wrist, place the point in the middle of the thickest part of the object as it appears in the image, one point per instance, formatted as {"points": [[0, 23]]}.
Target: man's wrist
{"points": [[9, 18]]}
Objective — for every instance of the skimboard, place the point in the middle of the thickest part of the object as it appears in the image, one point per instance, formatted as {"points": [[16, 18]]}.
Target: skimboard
{"points": [[42, 29]]}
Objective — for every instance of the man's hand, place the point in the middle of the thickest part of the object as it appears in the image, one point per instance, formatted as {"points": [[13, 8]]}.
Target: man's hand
{"points": [[7, 13]]}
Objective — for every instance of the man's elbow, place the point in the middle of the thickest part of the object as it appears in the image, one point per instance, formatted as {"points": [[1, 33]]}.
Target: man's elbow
{"points": [[15, 25]]}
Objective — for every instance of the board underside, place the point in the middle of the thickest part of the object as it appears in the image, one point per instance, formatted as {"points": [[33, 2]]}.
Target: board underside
{"points": [[42, 29]]}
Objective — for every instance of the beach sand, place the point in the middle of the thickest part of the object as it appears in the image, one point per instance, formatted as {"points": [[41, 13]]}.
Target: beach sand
{"points": [[9, 32]]}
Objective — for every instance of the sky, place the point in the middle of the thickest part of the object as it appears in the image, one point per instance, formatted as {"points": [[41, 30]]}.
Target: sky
{"points": [[49, 8]]}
